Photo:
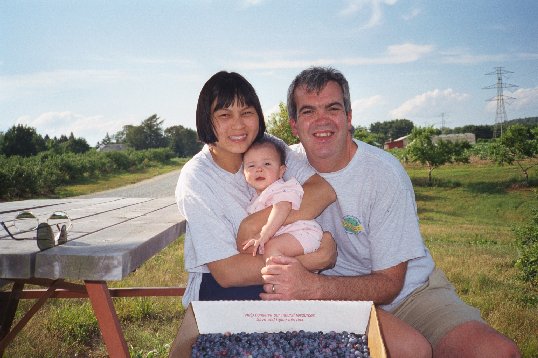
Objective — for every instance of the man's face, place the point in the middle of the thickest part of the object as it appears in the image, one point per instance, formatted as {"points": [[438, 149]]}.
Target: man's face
{"points": [[323, 127]]}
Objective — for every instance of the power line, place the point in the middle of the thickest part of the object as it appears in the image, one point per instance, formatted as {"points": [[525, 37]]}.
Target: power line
{"points": [[500, 115]]}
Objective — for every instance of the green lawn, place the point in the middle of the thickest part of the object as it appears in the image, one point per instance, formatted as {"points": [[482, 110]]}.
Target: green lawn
{"points": [[466, 220]]}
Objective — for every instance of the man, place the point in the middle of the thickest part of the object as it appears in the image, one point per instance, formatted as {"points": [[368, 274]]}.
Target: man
{"points": [[381, 254]]}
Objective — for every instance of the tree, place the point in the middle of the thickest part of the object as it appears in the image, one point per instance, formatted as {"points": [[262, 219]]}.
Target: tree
{"points": [[527, 244], [106, 140], [149, 134], [183, 141], [362, 134], [76, 145], [483, 131], [153, 132], [279, 126], [22, 140], [119, 136], [519, 145], [422, 149], [394, 129], [134, 136]]}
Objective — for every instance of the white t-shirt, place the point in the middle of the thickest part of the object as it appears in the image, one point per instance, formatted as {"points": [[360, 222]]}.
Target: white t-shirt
{"points": [[214, 202], [374, 221]]}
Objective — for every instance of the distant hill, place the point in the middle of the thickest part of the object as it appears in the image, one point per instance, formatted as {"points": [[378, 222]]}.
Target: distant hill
{"points": [[529, 121]]}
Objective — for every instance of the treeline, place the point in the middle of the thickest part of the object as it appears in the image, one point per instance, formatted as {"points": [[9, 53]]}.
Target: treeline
{"points": [[34, 165], [150, 134], [381, 132], [25, 141], [42, 174]]}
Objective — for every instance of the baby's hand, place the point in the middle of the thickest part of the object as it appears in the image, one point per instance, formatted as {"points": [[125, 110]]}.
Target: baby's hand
{"points": [[257, 246]]}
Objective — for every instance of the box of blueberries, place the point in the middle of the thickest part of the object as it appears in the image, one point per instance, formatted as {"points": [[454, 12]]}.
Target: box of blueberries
{"points": [[279, 329]]}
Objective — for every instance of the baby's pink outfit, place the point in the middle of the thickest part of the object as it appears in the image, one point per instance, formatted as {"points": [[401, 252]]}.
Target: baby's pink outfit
{"points": [[307, 232]]}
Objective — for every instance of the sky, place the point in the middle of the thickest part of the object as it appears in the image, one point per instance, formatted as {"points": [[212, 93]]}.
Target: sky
{"points": [[91, 67]]}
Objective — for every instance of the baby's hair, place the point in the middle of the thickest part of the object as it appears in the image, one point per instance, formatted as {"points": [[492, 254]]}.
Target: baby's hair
{"points": [[275, 143]]}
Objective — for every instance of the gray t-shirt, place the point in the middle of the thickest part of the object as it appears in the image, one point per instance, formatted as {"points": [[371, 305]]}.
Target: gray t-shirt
{"points": [[374, 221], [214, 202]]}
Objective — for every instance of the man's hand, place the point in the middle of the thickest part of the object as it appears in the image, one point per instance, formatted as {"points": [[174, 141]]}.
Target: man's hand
{"points": [[286, 279]]}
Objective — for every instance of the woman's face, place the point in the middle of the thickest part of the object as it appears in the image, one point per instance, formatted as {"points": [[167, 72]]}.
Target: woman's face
{"points": [[236, 128]]}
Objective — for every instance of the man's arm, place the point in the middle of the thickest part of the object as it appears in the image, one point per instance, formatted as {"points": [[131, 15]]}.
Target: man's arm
{"points": [[318, 194], [293, 282]]}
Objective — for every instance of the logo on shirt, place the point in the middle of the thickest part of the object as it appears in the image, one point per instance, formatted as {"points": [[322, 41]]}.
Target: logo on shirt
{"points": [[352, 224]]}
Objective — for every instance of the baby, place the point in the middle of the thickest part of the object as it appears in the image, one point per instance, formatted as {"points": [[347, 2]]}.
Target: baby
{"points": [[264, 166]]}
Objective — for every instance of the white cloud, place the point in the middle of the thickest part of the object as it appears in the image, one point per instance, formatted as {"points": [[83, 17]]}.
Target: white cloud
{"points": [[24, 85], [462, 56], [527, 56], [91, 128], [526, 98], [362, 105], [407, 52], [524, 101], [395, 54], [429, 104], [411, 15], [249, 3], [375, 6]]}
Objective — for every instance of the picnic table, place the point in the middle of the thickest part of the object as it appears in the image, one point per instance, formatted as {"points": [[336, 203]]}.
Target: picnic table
{"points": [[109, 239]]}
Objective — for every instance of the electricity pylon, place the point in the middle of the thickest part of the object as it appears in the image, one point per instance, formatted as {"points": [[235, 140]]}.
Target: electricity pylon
{"points": [[500, 116]]}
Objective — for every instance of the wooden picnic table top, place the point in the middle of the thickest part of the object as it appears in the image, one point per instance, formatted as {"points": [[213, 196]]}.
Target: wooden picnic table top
{"points": [[110, 237]]}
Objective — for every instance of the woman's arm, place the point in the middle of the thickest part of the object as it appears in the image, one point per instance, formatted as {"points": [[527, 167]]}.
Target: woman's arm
{"points": [[238, 270]]}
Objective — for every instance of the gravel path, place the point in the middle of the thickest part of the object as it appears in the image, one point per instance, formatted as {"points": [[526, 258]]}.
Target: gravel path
{"points": [[156, 187]]}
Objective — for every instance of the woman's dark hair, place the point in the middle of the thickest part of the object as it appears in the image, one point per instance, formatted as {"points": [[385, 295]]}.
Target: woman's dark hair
{"points": [[226, 88], [275, 143]]}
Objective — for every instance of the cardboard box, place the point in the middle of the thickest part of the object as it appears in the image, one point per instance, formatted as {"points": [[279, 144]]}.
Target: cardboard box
{"points": [[203, 317]]}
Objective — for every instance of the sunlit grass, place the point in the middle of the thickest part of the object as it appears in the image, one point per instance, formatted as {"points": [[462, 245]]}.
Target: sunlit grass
{"points": [[466, 222], [116, 181], [68, 327]]}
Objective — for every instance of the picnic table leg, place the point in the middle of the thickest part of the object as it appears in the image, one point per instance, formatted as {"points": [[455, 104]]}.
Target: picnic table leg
{"points": [[8, 336], [7, 313], [107, 318]]}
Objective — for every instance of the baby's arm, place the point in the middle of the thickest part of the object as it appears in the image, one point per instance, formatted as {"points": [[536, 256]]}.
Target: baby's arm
{"points": [[277, 217], [318, 194]]}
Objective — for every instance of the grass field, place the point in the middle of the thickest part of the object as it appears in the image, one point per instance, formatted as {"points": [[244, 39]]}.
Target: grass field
{"points": [[466, 220]]}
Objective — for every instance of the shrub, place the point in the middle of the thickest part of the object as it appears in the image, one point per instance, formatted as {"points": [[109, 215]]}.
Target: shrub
{"points": [[42, 174], [527, 243]]}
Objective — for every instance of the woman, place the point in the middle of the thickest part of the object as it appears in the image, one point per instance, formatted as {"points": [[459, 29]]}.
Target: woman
{"points": [[212, 195]]}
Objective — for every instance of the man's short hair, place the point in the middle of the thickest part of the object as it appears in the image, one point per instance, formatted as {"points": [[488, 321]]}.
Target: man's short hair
{"points": [[314, 79]]}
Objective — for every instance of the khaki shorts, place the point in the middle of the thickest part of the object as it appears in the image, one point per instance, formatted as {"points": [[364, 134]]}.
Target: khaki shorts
{"points": [[434, 308]]}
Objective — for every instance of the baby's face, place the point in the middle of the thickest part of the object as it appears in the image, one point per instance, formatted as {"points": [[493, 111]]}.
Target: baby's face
{"points": [[262, 167]]}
